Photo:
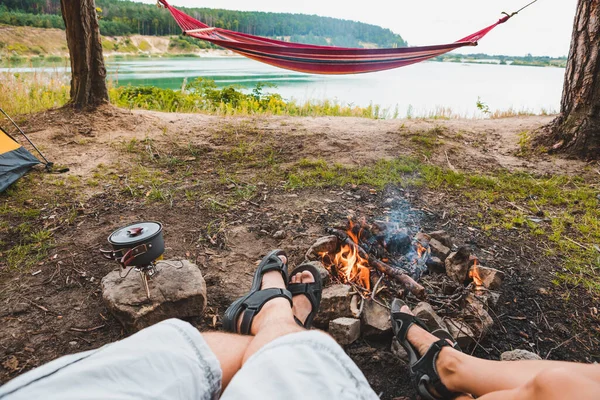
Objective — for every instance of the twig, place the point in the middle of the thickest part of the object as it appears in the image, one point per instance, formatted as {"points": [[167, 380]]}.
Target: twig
{"points": [[87, 330], [577, 243], [518, 207], [560, 345], [543, 315], [37, 305], [374, 291]]}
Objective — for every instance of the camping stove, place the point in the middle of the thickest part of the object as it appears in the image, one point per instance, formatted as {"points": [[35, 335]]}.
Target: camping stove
{"points": [[137, 246]]}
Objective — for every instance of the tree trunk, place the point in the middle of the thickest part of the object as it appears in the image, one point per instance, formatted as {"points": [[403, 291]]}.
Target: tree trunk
{"points": [[88, 74], [577, 129]]}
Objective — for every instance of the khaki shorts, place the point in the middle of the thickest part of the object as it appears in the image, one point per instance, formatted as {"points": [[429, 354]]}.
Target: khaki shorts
{"points": [[171, 360]]}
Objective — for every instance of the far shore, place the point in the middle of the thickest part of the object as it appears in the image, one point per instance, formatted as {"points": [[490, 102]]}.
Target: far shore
{"points": [[19, 45]]}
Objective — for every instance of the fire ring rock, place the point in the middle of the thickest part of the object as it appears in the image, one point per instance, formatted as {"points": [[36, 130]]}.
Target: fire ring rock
{"points": [[177, 291], [457, 265], [519, 354], [335, 303]]}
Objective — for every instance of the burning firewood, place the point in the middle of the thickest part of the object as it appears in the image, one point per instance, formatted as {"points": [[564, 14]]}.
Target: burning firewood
{"points": [[398, 275]]}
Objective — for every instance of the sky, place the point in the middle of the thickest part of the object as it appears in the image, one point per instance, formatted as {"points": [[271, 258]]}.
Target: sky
{"points": [[542, 29]]}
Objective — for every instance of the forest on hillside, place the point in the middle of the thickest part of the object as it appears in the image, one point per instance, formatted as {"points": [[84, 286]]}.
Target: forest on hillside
{"points": [[123, 17]]}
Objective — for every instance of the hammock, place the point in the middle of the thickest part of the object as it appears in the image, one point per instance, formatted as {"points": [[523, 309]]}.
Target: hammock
{"points": [[320, 59]]}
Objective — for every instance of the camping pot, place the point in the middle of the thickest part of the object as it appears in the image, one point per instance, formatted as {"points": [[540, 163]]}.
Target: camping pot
{"points": [[138, 244]]}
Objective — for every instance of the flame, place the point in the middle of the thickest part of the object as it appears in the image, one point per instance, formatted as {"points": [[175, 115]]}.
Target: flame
{"points": [[474, 274], [350, 266], [421, 250]]}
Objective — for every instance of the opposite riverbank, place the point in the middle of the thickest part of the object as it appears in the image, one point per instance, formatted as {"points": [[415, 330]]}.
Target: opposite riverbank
{"points": [[21, 45]]}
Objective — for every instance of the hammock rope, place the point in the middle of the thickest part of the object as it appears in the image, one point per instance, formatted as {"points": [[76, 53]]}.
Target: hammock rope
{"points": [[315, 59]]}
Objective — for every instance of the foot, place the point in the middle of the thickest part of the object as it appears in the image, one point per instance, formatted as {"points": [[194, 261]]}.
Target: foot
{"points": [[277, 309], [447, 359], [302, 306]]}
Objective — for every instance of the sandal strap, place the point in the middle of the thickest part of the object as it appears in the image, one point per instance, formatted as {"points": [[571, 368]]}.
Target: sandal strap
{"points": [[426, 373], [313, 292], [401, 322], [272, 262], [252, 305]]}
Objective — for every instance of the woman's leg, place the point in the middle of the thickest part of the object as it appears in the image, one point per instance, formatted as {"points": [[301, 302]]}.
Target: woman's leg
{"points": [[552, 384], [463, 373]]}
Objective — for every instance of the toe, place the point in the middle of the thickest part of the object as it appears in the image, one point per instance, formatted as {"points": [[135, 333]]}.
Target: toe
{"points": [[307, 277]]}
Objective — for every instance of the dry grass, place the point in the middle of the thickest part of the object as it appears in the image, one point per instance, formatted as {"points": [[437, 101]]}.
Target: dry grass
{"points": [[33, 92]]}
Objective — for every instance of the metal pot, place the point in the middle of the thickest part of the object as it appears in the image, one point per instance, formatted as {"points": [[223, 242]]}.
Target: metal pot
{"points": [[138, 244]]}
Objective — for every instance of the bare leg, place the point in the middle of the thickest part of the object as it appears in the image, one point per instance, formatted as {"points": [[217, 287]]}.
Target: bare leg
{"points": [[276, 318], [552, 384], [229, 350], [463, 373]]}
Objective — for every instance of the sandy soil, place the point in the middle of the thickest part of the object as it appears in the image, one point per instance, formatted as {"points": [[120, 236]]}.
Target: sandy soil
{"points": [[470, 145], [220, 157]]}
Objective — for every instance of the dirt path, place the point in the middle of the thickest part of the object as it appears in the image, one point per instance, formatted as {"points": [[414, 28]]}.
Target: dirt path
{"points": [[471, 145], [221, 186]]}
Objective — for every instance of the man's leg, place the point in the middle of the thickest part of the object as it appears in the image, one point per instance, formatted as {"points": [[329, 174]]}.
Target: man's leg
{"points": [[168, 360], [229, 350], [465, 374], [285, 361]]}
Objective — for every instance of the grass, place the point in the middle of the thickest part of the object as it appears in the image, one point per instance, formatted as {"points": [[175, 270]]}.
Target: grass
{"points": [[30, 93], [33, 92]]}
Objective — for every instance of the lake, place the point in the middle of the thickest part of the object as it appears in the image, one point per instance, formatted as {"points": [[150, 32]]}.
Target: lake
{"points": [[418, 90]]}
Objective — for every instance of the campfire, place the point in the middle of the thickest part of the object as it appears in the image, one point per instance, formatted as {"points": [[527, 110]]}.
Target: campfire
{"points": [[381, 260]]}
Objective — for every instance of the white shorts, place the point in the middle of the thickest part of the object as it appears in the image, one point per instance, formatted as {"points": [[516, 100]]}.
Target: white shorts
{"points": [[171, 360]]}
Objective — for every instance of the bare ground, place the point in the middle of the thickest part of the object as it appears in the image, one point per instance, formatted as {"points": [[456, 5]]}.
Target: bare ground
{"points": [[222, 197]]}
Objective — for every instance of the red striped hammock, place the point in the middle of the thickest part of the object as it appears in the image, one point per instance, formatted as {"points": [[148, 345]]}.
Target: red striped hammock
{"points": [[318, 59]]}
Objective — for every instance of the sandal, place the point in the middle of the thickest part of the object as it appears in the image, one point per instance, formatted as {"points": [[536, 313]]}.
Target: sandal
{"points": [[423, 369], [311, 290], [250, 305]]}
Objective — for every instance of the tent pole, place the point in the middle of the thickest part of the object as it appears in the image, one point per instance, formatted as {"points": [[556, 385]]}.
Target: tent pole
{"points": [[48, 163]]}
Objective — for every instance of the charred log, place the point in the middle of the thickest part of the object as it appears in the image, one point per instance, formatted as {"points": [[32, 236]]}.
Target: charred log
{"points": [[398, 275]]}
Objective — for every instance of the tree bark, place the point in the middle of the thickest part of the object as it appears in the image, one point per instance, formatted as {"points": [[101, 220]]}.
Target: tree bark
{"points": [[576, 130], [88, 74]]}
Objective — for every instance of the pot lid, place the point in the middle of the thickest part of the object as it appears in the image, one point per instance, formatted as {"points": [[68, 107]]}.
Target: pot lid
{"points": [[135, 233]]}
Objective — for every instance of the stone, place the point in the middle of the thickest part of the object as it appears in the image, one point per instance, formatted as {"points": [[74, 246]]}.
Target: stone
{"points": [[517, 355], [439, 250], [425, 312], [325, 275], [457, 265], [375, 320], [423, 238], [344, 330], [461, 332], [442, 237], [435, 265], [335, 303], [399, 351], [477, 316], [177, 291], [325, 244], [279, 235], [491, 278]]}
